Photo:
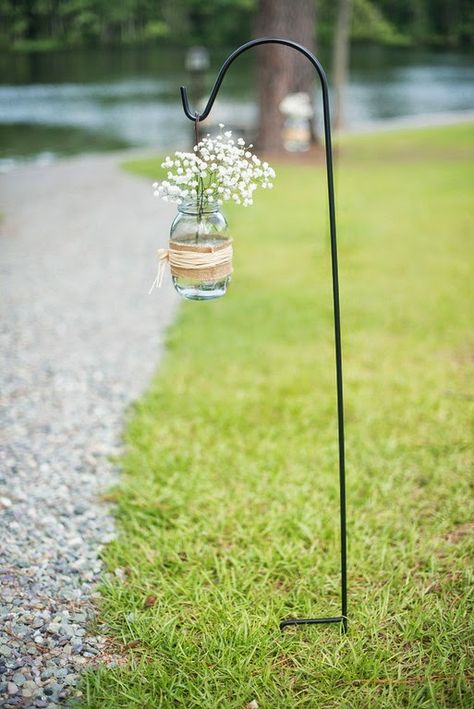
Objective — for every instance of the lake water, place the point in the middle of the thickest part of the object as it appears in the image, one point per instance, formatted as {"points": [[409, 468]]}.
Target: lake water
{"points": [[74, 101]]}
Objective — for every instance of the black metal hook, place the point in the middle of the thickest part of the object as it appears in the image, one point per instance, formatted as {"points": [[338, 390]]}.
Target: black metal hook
{"points": [[195, 116], [243, 48]]}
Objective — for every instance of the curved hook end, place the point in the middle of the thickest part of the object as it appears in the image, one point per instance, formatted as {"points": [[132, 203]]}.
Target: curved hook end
{"points": [[184, 98]]}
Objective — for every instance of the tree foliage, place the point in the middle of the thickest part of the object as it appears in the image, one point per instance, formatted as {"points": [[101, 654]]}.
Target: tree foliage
{"points": [[52, 23]]}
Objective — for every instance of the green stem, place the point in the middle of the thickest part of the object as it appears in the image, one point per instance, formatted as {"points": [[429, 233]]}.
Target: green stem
{"points": [[200, 197], [200, 201]]}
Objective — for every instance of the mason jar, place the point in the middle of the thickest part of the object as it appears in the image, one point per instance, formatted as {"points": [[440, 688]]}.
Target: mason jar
{"points": [[200, 251], [296, 134]]}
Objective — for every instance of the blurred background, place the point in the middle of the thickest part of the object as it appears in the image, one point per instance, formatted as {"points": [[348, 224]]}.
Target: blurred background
{"points": [[91, 75]]}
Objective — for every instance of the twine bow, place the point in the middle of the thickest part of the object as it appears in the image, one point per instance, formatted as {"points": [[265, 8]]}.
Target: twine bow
{"points": [[163, 259]]}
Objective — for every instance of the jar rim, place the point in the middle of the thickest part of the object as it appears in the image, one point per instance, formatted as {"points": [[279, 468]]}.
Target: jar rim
{"points": [[192, 206]]}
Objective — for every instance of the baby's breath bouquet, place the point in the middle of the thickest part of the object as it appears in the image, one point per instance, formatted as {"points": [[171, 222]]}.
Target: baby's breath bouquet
{"points": [[218, 170]]}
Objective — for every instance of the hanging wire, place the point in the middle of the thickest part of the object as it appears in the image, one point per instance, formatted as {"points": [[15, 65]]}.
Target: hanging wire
{"points": [[196, 128]]}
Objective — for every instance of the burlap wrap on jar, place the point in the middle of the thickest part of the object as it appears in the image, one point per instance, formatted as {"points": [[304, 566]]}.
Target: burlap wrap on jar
{"points": [[203, 262]]}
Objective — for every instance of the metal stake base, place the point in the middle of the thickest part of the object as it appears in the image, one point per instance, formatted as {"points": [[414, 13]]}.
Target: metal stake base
{"points": [[315, 621]]}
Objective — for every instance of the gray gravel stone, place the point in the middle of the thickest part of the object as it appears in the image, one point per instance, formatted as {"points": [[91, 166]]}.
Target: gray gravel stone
{"points": [[79, 340], [29, 689]]}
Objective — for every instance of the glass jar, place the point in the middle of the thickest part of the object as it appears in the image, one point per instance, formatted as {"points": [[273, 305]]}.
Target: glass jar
{"points": [[200, 251], [296, 134]]}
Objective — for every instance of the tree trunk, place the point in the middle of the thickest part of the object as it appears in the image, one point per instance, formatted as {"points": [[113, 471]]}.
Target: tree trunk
{"points": [[282, 70], [341, 59]]}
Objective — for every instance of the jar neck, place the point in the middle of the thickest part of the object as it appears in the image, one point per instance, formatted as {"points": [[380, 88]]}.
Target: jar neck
{"points": [[195, 207]]}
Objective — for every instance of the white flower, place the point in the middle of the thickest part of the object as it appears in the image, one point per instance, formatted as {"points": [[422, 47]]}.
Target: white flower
{"points": [[217, 168], [297, 105]]}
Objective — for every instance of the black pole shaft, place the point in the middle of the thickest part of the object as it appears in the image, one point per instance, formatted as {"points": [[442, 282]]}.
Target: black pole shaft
{"points": [[195, 116]]}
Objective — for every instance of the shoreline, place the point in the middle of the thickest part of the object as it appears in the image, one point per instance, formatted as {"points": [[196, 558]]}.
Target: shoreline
{"points": [[420, 121]]}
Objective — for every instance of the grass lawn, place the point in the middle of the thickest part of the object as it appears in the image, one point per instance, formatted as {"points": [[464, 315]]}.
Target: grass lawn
{"points": [[227, 508]]}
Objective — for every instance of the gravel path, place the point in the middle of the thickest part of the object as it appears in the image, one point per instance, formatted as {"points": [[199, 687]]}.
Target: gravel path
{"points": [[79, 339]]}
